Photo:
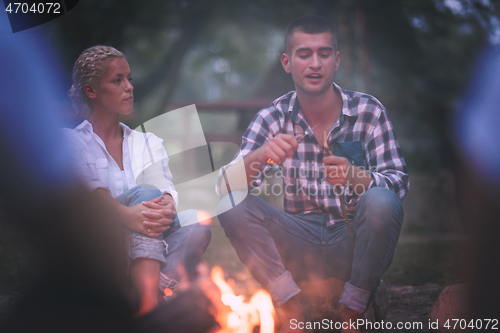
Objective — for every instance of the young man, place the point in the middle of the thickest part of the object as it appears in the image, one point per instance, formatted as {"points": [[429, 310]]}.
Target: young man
{"points": [[310, 239]]}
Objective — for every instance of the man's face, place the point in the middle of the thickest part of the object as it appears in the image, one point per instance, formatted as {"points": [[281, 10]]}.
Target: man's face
{"points": [[312, 61]]}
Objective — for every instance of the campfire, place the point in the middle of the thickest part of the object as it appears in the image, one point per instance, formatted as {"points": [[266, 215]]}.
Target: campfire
{"points": [[234, 315], [231, 311]]}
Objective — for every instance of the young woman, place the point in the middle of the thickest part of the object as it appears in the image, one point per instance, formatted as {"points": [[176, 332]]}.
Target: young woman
{"points": [[113, 160]]}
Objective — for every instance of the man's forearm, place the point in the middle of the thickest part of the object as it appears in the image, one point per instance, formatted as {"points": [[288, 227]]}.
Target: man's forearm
{"points": [[240, 175]]}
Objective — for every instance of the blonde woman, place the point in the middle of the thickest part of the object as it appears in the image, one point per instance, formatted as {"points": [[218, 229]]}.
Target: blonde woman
{"points": [[112, 160]]}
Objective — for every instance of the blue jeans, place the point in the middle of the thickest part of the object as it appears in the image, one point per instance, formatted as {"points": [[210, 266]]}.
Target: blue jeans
{"points": [[185, 236], [282, 249]]}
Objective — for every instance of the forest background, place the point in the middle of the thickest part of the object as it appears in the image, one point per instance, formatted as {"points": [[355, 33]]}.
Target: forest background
{"points": [[415, 56]]}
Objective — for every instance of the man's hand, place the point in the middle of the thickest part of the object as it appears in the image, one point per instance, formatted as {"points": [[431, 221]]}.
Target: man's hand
{"points": [[340, 172], [278, 149]]}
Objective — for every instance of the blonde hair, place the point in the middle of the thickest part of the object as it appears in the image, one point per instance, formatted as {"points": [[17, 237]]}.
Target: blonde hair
{"points": [[88, 69]]}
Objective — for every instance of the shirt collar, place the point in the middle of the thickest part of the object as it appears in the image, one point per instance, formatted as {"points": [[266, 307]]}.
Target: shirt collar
{"points": [[126, 130], [348, 107], [86, 125]]}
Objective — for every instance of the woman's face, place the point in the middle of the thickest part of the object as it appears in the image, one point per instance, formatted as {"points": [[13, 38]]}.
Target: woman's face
{"points": [[115, 92]]}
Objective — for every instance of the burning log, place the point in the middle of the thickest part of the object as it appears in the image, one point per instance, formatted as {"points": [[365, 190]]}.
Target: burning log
{"points": [[231, 311], [237, 316]]}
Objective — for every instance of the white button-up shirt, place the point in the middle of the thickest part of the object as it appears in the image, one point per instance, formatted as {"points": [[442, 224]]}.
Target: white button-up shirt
{"points": [[145, 161]]}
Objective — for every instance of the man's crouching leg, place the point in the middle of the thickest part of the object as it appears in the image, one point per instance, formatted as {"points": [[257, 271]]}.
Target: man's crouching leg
{"points": [[377, 223], [246, 226]]}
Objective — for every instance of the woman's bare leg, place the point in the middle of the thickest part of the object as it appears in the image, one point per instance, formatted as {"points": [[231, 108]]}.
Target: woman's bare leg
{"points": [[145, 276]]}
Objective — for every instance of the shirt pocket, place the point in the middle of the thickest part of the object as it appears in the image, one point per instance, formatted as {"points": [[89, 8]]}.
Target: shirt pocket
{"points": [[353, 151], [98, 167], [101, 165]]}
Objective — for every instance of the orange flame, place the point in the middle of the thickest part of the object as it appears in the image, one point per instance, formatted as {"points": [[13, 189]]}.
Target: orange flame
{"points": [[262, 301], [244, 316]]}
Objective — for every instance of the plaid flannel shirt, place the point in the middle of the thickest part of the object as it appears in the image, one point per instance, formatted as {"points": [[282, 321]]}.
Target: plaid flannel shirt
{"points": [[363, 134]]}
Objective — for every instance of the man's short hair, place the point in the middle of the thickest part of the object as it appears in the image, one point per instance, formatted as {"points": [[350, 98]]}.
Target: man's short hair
{"points": [[310, 24]]}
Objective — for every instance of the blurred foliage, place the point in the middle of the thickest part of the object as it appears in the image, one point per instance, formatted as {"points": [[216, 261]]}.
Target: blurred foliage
{"points": [[413, 55]]}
